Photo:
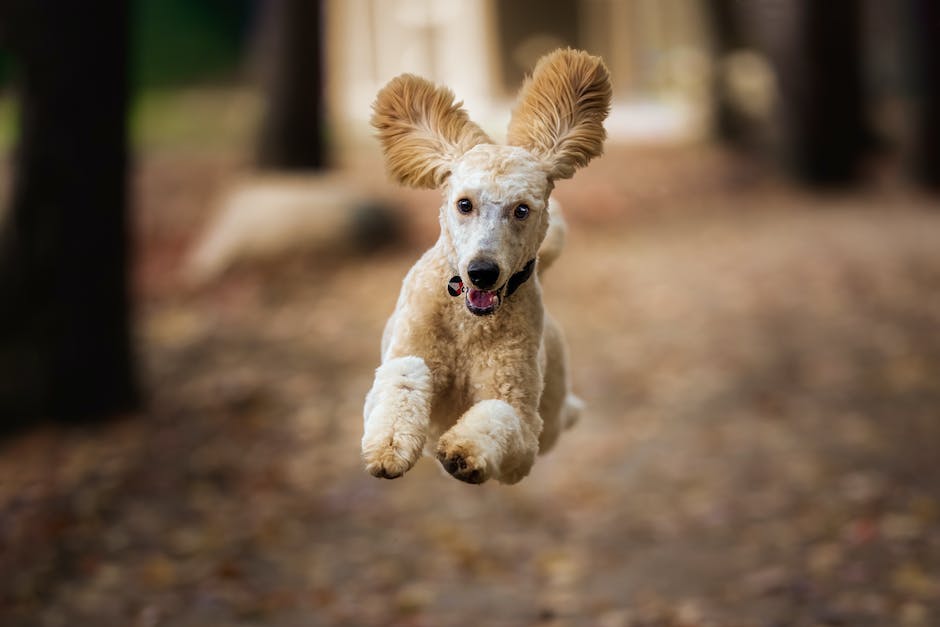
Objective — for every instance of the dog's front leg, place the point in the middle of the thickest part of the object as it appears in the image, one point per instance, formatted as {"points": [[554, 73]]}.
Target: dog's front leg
{"points": [[397, 414], [492, 439]]}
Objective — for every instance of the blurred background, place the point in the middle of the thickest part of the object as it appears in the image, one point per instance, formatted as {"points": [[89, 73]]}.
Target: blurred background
{"points": [[199, 249]]}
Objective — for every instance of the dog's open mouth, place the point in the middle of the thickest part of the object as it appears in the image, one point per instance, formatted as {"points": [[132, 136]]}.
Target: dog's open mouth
{"points": [[481, 302]]}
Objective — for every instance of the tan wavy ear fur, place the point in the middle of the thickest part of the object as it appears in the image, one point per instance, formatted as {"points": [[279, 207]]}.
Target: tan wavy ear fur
{"points": [[422, 130], [560, 112]]}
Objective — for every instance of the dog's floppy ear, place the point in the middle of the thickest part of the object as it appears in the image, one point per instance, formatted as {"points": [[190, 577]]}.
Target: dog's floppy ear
{"points": [[422, 130], [559, 116]]}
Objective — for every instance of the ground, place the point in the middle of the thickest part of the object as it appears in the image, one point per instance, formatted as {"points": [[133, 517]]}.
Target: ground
{"points": [[761, 368]]}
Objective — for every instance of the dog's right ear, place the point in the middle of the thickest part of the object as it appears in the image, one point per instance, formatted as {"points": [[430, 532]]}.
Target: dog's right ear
{"points": [[560, 114], [422, 130]]}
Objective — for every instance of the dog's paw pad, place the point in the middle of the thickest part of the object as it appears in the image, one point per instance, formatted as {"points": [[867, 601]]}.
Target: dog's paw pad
{"points": [[461, 465]]}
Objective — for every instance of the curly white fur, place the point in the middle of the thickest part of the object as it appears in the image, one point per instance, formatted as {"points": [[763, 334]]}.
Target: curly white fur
{"points": [[484, 393]]}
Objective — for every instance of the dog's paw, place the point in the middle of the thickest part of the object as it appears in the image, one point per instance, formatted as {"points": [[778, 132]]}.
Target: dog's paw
{"points": [[392, 457], [463, 461]]}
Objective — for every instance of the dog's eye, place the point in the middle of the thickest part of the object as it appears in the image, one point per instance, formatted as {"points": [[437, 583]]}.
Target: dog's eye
{"points": [[521, 212], [464, 205]]}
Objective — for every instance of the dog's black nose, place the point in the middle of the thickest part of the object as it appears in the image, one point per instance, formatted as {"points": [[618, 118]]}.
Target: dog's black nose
{"points": [[483, 273]]}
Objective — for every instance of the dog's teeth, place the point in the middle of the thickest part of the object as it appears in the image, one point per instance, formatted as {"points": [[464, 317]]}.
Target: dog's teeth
{"points": [[482, 299]]}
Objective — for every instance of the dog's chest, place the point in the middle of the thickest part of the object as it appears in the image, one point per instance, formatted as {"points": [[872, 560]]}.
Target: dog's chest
{"points": [[479, 351]]}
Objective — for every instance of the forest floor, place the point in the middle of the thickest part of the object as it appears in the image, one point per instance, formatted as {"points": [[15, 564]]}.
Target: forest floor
{"points": [[761, 368]]}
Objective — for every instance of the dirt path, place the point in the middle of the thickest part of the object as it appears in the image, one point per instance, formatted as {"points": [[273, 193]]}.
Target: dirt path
{"points": [[761, 447]]}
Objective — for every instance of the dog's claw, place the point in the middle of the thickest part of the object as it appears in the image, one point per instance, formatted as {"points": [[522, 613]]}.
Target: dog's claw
{"points": [[389, 462], [458, 466], [382, 473]]}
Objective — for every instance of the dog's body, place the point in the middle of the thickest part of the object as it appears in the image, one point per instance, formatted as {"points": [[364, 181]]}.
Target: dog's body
{"points": [[472, 367]]}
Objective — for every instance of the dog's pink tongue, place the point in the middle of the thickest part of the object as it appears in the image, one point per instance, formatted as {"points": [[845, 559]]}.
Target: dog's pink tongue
{"points": [[481, 299]]}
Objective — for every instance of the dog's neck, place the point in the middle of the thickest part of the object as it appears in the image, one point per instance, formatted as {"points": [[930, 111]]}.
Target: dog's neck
{"points": [[520, 277]]}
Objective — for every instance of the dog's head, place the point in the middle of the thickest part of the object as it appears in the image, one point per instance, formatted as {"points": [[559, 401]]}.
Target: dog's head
{"points": [[495, 197]]}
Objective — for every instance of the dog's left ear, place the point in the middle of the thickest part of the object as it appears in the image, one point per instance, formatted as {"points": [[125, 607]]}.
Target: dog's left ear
{"points": [[559, 116], [422, 130]]}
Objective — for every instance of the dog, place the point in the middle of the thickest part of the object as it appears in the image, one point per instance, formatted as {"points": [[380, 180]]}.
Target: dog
{"points": [[472, 369]]}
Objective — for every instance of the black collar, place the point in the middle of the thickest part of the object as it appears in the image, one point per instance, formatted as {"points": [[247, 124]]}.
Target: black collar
{"points": [[520, 277], [455, 286]]}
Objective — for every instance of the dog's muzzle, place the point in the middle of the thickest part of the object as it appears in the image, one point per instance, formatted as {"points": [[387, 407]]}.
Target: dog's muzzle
{"points": [[486, 302]]}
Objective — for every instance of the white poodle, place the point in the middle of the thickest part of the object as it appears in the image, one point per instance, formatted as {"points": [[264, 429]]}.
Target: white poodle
{"points": [[473, 369]]}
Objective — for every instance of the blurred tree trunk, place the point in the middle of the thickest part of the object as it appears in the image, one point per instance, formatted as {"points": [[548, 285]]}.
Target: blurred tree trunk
{"points": [[527, 29], [821, 84], [728, 37], [292, 134], [65, 337], [925, 16]]}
